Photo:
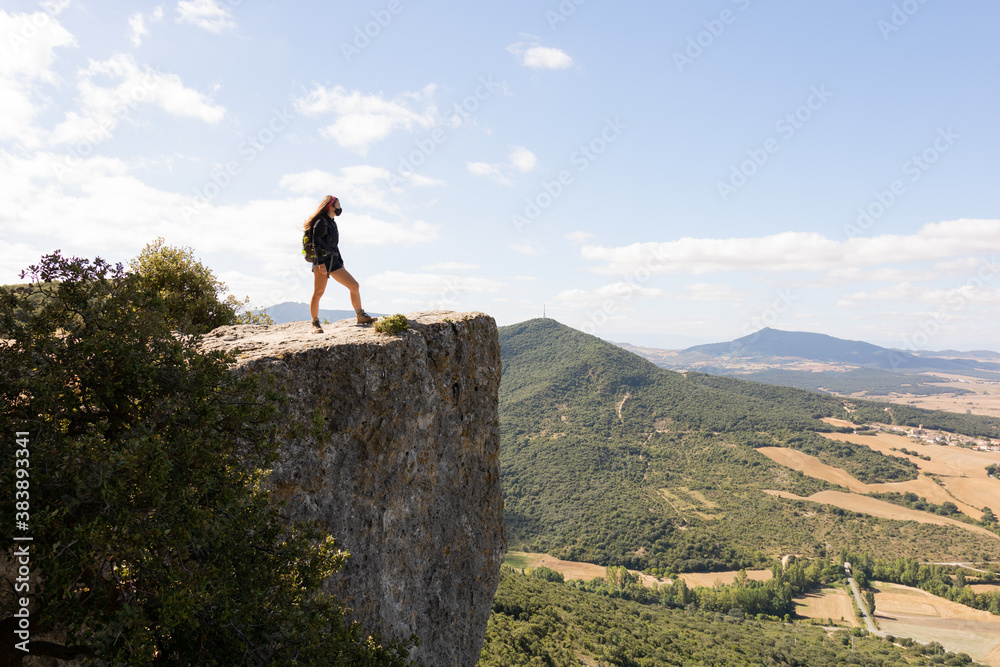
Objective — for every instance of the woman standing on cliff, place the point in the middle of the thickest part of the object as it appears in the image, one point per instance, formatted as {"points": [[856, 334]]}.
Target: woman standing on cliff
{"points": [[328, 262]]}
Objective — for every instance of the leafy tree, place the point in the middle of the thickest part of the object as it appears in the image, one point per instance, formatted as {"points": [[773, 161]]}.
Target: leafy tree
{"points": [[154, 539], [870, 601], [988, 518], [194, 300]]}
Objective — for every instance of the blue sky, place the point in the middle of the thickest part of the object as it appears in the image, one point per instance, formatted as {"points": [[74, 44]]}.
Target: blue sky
{"points": [[666, 173]]}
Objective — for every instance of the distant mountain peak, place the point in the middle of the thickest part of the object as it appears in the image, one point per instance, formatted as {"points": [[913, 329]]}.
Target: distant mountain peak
{"points": [[775, 343]]}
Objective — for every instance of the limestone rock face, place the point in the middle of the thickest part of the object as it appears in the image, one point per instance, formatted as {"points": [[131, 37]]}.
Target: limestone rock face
{"points": [[392, 442]]}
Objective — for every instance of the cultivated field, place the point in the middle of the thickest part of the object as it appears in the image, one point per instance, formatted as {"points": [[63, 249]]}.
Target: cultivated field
{"points": [[569, 569], [961, 471], [985, 399], [829, 605], [881, 509], [587, 571], [710, 579], [911, 612], [984, 588]]}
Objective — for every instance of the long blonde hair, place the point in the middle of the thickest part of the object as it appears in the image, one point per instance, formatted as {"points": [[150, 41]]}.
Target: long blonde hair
{"points": [[322, 207]]}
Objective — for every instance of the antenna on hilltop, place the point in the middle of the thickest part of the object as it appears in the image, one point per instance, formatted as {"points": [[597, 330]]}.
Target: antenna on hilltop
{"points": [[543, 311]]}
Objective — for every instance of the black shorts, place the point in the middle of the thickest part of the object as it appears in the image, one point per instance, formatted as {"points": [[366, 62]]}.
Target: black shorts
{"points": [[332, 262]]}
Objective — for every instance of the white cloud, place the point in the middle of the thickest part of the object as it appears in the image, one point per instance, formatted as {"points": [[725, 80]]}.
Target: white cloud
{"points": [[540, 57], [974, 292], [519, 159], [842, 275], [525, 249], [451, 266], [367, 230], [137, 22], [27, 52], [103, 108], [356, 186], [361, 119], [54, 7], [708, 292], [578, 236], [490, 171], [482, 168], [895, 293], [799, 251], [207, 14], [543, 57], [522, 159], [115, 214], [423, 181], [16, 257], [432, 284], [619, 290]]}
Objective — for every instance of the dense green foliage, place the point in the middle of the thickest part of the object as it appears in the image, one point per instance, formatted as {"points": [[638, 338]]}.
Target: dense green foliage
{"points": [[862, 463], [772, 598], [191, 298], [153, 538], [609, 459], [392, 324], [536, 622], [913, 501]]}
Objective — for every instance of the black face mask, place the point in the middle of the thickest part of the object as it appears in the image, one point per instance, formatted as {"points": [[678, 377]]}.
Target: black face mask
{"points": [[338, 211]]}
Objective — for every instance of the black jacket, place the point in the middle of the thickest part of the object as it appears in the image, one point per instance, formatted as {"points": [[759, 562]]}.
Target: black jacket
{"points": [[326, 236]]}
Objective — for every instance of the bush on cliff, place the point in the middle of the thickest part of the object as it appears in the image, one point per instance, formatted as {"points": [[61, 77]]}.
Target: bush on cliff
{"points": [[192, 299], [153, 539]]}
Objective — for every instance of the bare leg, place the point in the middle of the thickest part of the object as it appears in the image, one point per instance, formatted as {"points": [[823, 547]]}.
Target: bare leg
{"points": [[320, 278], [347, 280]]}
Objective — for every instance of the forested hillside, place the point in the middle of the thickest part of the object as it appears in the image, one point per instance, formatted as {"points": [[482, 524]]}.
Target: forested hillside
{"points": [[609, 459], [537, 622]]}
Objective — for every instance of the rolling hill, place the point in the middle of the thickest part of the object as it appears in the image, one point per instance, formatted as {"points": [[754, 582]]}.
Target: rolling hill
{"points": [[609, 459]]}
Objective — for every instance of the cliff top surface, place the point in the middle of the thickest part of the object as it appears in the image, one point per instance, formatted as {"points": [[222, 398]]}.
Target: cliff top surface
{"points": [[258, 341]]}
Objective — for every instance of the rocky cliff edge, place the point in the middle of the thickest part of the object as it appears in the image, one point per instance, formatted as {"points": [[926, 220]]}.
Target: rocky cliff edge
{"points": [[392, 442]]}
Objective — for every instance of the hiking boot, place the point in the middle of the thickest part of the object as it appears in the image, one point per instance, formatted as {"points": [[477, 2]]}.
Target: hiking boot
{"points": [[316, 327], [363, 317]]}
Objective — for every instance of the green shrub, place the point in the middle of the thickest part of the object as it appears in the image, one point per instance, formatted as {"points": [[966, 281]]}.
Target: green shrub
{"points": [[392, 324]]}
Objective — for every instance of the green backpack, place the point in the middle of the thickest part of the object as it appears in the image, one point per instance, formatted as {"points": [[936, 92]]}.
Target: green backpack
{"points": [[308, 244]]}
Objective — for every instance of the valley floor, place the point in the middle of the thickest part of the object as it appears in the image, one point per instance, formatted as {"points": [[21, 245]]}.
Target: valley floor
{"points": [[900, 611], [910, 612]]}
